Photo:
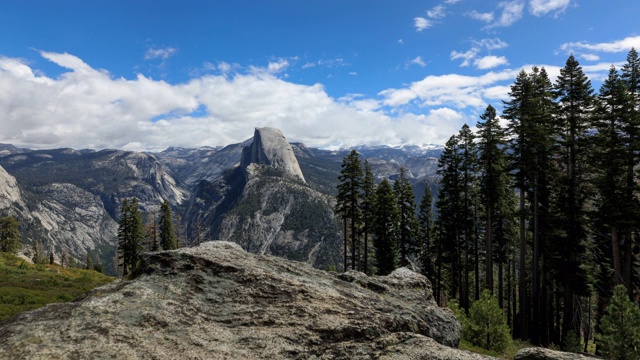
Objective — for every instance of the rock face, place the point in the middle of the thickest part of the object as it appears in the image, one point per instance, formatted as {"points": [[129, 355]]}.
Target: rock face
{"points": [[9, 191], [270, 147], [217, 301], [548, 354]]}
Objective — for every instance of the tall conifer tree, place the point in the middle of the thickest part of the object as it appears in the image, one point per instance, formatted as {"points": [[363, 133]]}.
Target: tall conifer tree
{"points": [[574, 95], [348, 202], [168, 237], [386, 228]]}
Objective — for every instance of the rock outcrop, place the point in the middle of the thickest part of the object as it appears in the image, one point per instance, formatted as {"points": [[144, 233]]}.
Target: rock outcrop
{"points": [[270, 147], [9, 191], [538, 353], [217, 301]]}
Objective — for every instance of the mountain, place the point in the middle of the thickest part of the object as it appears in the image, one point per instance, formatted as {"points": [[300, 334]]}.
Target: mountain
{"points": [[218, 301], [269, 195], [70, 200], [265, 205]]}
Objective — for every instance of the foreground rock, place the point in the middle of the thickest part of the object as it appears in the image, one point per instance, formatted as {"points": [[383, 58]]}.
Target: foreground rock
{"points": [[547, 354], [218, 302]]}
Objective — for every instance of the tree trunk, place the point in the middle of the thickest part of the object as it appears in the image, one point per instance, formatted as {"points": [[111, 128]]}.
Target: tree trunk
{"points": [[344, 221], [522, 290], [536, 303], [617, 257], [489, 251], [476, 254]]}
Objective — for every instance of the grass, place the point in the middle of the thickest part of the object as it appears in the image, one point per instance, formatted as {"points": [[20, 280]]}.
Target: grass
{"points": [[25, 286], [510, 353]]}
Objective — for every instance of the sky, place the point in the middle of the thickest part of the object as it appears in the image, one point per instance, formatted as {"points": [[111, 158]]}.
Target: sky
{"points": [[146, 75]]}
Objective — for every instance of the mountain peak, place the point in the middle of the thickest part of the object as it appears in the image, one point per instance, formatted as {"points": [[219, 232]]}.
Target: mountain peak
{"points": [[270, 147]]}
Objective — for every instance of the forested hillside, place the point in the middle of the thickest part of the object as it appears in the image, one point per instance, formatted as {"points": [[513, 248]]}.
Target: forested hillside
{"points": [[538, 204]]}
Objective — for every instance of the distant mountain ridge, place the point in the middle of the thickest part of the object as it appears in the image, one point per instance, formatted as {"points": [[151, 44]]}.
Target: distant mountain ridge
{"points": [[70, 199]]}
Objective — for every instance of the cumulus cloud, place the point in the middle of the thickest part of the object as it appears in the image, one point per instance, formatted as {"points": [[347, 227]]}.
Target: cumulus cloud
{"points": [[511, 12], [277, 66], [159, 53], [451, 89], [590, 57], [478, 46], [85, 107], [422, 23], [615, 46], [489, 62], [486, 17], [467, 56], [88, 108], [543, 7]]}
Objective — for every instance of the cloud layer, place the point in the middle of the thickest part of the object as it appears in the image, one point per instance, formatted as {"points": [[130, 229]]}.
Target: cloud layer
{"points": [[89, 108]]}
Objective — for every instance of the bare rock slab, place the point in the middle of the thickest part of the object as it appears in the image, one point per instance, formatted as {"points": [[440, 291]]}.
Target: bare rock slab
{"points": [[217, 301]]}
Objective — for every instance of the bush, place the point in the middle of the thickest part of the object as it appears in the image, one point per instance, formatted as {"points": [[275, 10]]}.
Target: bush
{"points": [[620, 326], [487, 326]]}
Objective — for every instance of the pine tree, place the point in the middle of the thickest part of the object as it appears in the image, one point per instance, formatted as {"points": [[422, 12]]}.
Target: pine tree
{"points": [[9, 235], [168, 238], [385, 228], [574, 95], [425, 218], [368, 200], [449, 218], [130, 235], [151, 233], [621, 327], [407, 222], [468, 170], [494, 182], [487, 325], [613, 109], [348, 202], [631, 78]]}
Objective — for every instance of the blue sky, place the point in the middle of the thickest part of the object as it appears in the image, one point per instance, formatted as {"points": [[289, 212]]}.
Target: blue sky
{"points": [[146, 75]]}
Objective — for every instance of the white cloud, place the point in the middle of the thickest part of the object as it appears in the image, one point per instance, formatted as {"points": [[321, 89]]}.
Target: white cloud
{"points": [[451, 2], [467, 56], [590, 57], [616, 46], [489, 62], [421, 23], [543, 7], [453, 89], [159, 53], [491, 44], [486, 17], [437, 12], [418, 61], [88, 108], [277, 66], [511, 12]]}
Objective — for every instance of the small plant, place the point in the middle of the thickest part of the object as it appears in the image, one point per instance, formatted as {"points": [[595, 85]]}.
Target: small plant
{"points": [[572, 343], [487, 325]]}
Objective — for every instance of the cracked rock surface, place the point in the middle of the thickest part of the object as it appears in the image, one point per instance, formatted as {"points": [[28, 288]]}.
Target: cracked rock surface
{"points": [[217, 301]]}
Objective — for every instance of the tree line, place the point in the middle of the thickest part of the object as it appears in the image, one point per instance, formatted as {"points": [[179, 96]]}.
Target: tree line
{"points": [[134, 237], [542, 212]]}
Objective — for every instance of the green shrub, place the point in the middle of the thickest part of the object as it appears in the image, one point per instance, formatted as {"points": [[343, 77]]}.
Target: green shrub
{"points": [[487, 325]]}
